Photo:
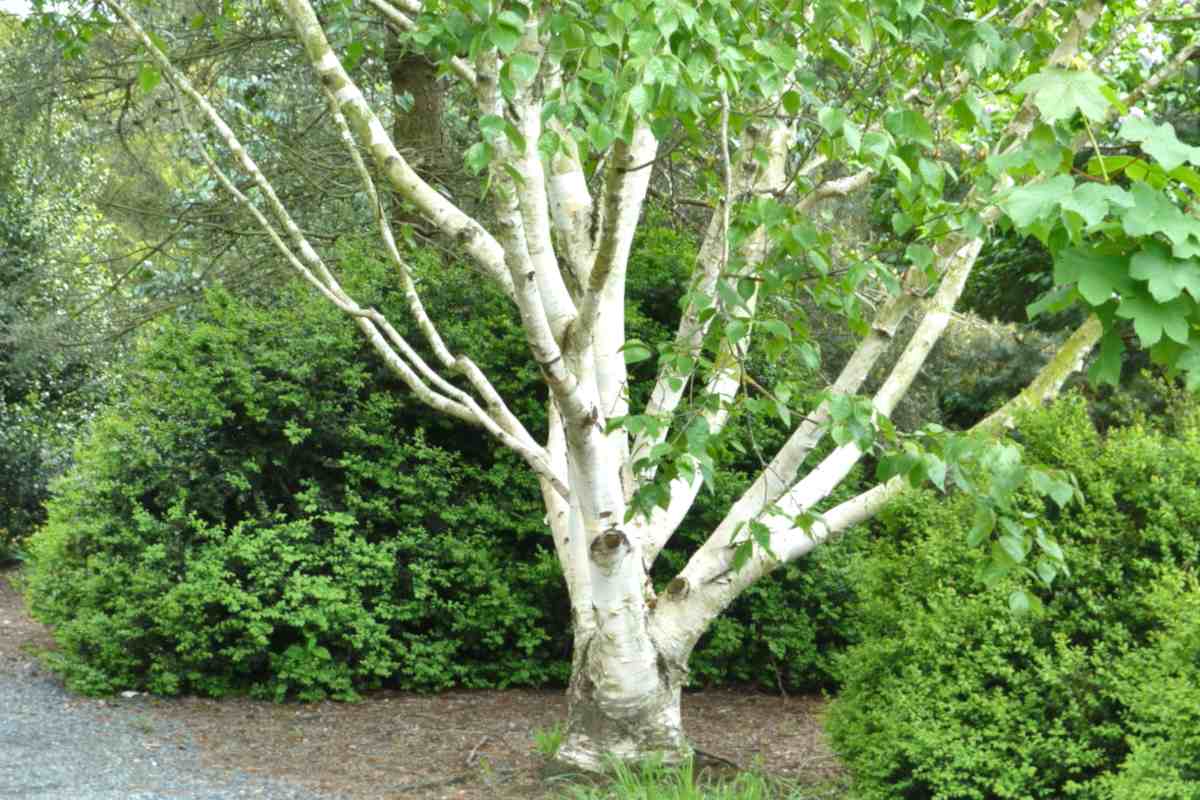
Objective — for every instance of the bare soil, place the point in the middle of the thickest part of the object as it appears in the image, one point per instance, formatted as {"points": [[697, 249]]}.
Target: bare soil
{"points": [[455, 745]]}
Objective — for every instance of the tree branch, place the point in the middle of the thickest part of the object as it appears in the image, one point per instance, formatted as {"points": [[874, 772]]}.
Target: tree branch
{"points": [[444, 215]]}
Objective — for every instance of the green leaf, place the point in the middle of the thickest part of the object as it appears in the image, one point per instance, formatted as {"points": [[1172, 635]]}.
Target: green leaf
{"points": [[741, 554], [877, 145], [1092, 201], [1151, 320], [635, 351], [1097, 275], [1050, 547], [523, 67], [1047, 572], [908, 125], [493, 126], [1058, 93], [1022, 603], [1160, 142], [1155, 213], [1042, 145], [1013, 546], [639, 99], [932, 174], [478, 156], [920, 255], [505, 37], [1109, 165], [935, 470], [992, 572], [736, 330], [600, 135], [831, 119], [1032, 202], [1189, 364], [1060, 491], [1053, 301], [1188, 177], [853, 134], [982, 526], [1107, 367], [148, 78], [1167, 277]]}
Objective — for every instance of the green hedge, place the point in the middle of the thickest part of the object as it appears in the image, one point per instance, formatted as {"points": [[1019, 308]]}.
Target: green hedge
{"points": [[949, 696], [256, 513], [267, 510]]}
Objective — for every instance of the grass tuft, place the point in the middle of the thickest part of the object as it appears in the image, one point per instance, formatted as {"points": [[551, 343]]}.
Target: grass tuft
{"points": [[655, 781]]}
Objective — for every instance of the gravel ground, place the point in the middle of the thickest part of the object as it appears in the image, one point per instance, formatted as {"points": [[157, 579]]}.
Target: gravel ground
{"points": [[55, 746]]}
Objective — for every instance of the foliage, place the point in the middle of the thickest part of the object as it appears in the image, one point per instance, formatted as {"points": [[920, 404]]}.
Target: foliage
{"points": [[48, 382], [951, 695], [547, 740], [255, 515], [290, 523]]}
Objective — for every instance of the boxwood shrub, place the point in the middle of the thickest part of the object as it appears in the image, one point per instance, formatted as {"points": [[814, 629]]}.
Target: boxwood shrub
{"points": [[948, 695]]}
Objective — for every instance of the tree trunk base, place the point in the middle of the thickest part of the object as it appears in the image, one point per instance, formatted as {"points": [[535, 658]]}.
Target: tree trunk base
{"points": [[602, 732]]}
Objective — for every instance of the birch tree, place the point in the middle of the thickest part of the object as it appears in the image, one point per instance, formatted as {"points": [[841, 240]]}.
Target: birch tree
{"points": [[963, 115]]}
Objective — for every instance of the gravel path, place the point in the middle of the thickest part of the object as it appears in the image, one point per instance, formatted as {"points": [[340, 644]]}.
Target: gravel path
{"points": [[56, 746]]}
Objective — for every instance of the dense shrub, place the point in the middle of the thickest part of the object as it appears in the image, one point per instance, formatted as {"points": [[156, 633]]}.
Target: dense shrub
{"points": [[256, 513], [267, 510], [950, 696]]}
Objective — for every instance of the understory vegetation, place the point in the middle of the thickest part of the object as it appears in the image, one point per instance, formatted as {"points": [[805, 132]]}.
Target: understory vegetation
{"points": [[262, 510], [920, 278], [258, 513], [949, 695]]}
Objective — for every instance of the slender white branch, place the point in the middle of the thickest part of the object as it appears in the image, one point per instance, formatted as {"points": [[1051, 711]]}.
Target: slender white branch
{"points": [[534, 202], [781, 473], [624, 194], [447, 217], [570, 201], [1067, 360], [498, 419], [1177, 62]]}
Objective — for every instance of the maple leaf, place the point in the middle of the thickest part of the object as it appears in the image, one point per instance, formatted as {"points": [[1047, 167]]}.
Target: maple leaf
{"points": [[1058, 93], [1160, 142]]}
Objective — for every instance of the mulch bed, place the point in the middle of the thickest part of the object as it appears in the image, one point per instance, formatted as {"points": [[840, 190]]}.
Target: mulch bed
{"points": [[457, 744]]}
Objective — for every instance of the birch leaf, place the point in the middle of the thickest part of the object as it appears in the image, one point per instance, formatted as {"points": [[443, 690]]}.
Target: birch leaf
{"points": [[148, 78]]}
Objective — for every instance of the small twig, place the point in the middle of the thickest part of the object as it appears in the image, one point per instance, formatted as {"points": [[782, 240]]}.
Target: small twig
{"points": [[719, 759], [475, 749]]}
